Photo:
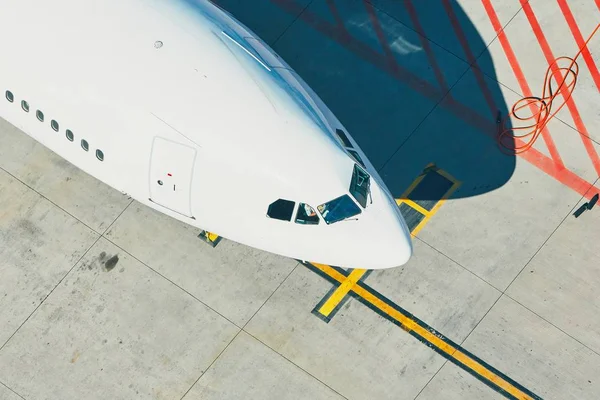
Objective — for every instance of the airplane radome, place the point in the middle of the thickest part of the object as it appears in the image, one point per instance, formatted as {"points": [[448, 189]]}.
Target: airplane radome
{"points": [[186, 110]]}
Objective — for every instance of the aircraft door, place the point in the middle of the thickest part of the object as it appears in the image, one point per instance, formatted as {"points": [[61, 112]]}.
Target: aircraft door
{"points": [[171, 170]]}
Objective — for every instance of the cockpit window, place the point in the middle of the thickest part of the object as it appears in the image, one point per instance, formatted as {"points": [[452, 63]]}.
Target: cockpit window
{"points": [[359, 186], [281, 209], [306, 215], [357, 157], [338, 209]]}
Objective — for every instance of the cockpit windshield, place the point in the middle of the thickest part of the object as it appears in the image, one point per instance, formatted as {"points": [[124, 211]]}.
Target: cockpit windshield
{"points": [[338, 209]]}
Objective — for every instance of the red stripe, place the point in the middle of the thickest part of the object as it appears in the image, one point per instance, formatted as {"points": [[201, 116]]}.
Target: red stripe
{"points": [[470, 58], [425, 43], [336, 15], [514, 64], [580, 41], [468, 115], [389, 54], [537, 30]]}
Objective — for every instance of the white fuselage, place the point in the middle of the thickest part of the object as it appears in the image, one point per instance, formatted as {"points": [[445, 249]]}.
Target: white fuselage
{"points": [[194, 116]]}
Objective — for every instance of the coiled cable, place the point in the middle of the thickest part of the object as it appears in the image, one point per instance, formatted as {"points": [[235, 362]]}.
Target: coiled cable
{"points": [[541, 107]]}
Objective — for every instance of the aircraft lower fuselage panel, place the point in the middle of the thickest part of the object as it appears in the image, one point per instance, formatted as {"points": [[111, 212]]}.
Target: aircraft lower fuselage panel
{"points": [[171, 169]]}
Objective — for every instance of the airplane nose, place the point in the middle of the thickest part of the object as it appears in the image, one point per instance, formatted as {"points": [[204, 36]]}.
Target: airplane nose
{"points": [[396, 240]]}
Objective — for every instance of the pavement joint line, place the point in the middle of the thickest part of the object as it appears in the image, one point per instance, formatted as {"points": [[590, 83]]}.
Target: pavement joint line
{"points": [[430, 337], [476, 120], [552, 324], [590, 189], [211, 364], [8, 387], [458, 263], [503, 292], [53, 289], [293, 363], [118, 216], [50, 201], [173, 283]]}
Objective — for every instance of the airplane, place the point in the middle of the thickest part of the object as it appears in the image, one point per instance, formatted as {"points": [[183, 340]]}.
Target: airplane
{"points": [[183, 108]]}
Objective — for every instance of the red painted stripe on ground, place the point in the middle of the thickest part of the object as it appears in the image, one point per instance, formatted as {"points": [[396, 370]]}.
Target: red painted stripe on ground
{"points": [[585, 53], [516, 67], [389, 54], [460, 34], [468, 115], [426, 45], [336, 14], [583, 132]]}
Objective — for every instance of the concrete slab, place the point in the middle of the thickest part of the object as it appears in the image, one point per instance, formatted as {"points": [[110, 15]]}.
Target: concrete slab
{"points": [[250, 370], [561, 283], [453, 383], [440, 25], [529, 54], [39, 244], [358, 354], [7, 394], [379, 104], [507, 206], [535, 353], [81, 195], [127, 332], [348, 352], [114, 329], [441, 293], [234, 280]]}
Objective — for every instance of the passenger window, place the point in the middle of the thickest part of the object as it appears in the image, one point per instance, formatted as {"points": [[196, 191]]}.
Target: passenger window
{"points": [[343, 138], [25, 106], [306, 215], [9, 96], [281, 209], [70, 135], [39, 115], [85, 145], [54, 125], [100, 155]]}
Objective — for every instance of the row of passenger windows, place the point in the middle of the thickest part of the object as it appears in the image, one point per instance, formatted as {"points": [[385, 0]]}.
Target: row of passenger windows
{"points": [[55, 126]]}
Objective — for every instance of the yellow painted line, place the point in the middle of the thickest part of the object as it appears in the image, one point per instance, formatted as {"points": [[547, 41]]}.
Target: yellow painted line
{"points": [[413, 185], [413, 205], [337, 296], [212, 236], [350, 284], [409, 325], [435, 209]]}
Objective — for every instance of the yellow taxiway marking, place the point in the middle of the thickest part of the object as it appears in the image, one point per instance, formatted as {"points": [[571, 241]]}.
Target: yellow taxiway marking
{"points": [[428, 335], [212, 236], [351, 284], [340, 293]]}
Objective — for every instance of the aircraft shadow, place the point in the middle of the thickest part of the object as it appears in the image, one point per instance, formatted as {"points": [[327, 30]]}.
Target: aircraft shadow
{"points": [[408, 102]]}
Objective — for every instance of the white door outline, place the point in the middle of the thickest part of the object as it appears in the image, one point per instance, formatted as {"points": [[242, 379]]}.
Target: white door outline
{"points": [[171, 175]]}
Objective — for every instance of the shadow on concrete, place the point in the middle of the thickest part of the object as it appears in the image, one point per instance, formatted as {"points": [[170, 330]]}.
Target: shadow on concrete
{"points": [[408, 101]]}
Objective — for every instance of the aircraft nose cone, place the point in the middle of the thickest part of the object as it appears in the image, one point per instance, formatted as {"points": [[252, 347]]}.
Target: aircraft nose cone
{"points": [[396, 247]]}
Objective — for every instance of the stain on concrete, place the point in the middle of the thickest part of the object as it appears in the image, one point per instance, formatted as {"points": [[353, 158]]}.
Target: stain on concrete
{"points": [[111, 262], [75, 356]]}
